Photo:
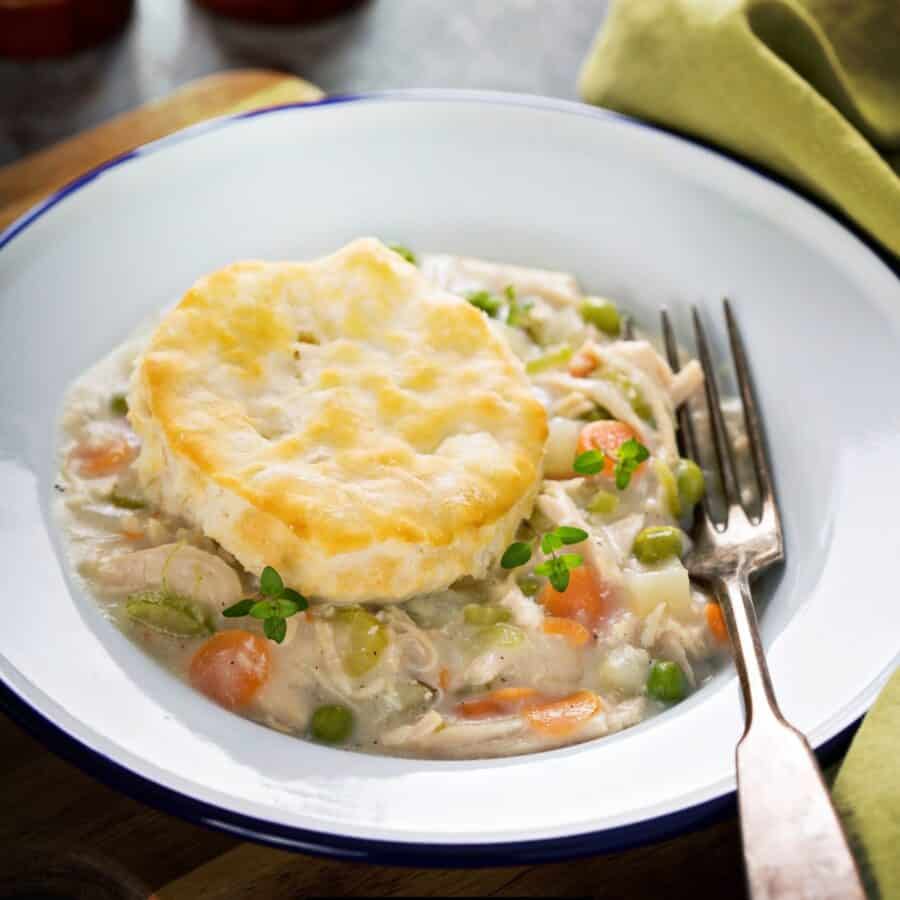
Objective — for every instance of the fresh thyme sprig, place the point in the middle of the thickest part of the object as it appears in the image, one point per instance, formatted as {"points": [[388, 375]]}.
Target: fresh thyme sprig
{"points": [[556, 567], [628, 457], [279, 603]]}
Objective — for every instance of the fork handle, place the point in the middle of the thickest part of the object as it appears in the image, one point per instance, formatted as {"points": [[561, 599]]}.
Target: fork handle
{"points": [[793, 843]]}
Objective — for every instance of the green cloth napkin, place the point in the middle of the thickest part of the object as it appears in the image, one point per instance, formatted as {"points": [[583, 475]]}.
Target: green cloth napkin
{"points": [[867, 793], [808, 88]]}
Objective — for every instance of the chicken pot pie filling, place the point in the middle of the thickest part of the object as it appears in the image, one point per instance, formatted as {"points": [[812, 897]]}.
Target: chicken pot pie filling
{"points": [[424, 506]]}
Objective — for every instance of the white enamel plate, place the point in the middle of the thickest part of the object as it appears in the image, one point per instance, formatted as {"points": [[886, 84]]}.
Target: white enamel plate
{"points": [[638, 215]]}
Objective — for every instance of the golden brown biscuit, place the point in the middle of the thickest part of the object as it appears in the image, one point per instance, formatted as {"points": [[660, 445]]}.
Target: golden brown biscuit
{"points": [[342, 420]]}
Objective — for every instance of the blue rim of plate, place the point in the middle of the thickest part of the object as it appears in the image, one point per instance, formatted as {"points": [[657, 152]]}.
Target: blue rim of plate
{"points": [[244, 827]]}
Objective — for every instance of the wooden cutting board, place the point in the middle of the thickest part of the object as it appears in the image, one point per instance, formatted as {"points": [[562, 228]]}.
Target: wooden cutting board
{"points": [[25, 182], [51, 811]]}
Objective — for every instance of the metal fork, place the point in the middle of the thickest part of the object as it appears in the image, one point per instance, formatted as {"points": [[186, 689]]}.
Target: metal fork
{"points": [[792, 838]]}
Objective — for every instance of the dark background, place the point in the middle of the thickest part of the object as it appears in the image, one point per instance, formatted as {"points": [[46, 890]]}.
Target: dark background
{"points": [[532, 46]]}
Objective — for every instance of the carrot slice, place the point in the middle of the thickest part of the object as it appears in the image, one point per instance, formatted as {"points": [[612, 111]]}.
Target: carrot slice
{"points": [[574, 632], [586, 599], [99, 460], [560, 718], [583, 363], [606, 435], [503, 701], [231, 667], [715, 621]]}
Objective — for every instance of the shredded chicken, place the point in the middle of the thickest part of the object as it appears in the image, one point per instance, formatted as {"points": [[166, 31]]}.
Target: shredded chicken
{"points": [[335, 669], [645, 368], [652, 624], [417, 650], [415, 732], [670, 647], [485, 667], [621, 534], [603, 394], [573, 405], [680, 386], [656, 396], [643, 355], [556, 504], [674, 640], [525, 611], [289, 710], [686, 383], [458, 738], [331, 690], [623, 629], [627, 713], [179, 568]]}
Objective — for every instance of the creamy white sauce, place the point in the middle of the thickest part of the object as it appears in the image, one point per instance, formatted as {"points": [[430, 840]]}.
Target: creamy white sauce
{"points": [[417, 698]]}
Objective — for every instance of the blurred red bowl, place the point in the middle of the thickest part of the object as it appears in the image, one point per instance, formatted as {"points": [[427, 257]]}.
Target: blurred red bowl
{"points": [[279, 11], [38, 28]]}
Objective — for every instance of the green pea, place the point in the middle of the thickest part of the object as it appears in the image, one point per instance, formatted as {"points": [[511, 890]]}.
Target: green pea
{"points": [[500, 635], [368, 638], [486, 302], [331, 724], [550, 360], [482, 614], [529, 585], [168, 613], [657, 543], [118, 405], [691, 483], [604, 503], [603, 314], [669, 485], [666, 682]]}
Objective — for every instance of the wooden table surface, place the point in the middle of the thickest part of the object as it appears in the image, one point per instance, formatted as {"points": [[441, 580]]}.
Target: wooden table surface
{"points": [[50, 809]]}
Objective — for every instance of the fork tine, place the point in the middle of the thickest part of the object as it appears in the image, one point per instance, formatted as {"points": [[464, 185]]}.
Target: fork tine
{"points": [[687, 442], [721, 444], [752, 419]]}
